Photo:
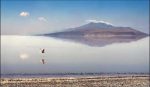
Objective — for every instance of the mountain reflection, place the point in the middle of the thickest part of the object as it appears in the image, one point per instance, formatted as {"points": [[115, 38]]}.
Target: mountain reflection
{"points": [[99, 41]]}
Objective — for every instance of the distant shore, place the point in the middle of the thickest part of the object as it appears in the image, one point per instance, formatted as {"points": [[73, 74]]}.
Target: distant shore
{"points": [[79, 81]]}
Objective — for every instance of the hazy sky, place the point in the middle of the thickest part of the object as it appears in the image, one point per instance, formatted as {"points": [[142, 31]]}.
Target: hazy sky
{"points": [[33, 17]]}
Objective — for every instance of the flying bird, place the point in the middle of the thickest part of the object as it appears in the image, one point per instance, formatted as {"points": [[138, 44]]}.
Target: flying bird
{"points": [[43, 50]]}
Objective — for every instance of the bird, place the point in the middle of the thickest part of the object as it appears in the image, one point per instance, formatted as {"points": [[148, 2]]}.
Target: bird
{"points": [[43, 50]]}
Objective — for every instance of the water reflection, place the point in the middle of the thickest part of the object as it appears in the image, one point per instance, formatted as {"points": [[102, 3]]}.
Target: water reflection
{"points": [[21, 54], [99, 41]]}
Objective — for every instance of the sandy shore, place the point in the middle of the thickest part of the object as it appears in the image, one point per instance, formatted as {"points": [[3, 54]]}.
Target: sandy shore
{"points": [[89, 81]]}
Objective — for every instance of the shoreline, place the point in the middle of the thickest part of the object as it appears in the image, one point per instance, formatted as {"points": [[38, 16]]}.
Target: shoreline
{"points": [[88, 81]]}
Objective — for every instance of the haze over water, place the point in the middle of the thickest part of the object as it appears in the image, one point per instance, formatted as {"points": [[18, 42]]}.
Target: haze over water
{"points": [[21, 54]]}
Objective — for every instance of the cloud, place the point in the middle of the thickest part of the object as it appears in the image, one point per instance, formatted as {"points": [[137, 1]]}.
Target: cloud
{"points": [[42, 19], [98, 21], [24, 56], [24, 14]]}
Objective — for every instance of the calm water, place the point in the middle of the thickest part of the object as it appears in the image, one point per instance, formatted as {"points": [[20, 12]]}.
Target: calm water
{"points": [[21, 54]]}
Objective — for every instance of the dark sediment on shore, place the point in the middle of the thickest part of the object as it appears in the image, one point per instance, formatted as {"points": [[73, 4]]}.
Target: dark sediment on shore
{"points": [[88, 81]]}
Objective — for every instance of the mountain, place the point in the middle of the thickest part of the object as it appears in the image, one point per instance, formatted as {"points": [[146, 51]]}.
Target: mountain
{"points": [[93, 25], [99, 34], [100, 30]]}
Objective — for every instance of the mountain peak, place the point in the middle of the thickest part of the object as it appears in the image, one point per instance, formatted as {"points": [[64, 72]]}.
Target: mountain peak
{"points": [[100, 23], [95, 25], [96, 21]]}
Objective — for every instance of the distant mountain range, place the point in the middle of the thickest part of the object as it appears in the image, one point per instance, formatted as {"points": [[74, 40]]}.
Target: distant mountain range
{"points": [[99, 34], [99, 30]]}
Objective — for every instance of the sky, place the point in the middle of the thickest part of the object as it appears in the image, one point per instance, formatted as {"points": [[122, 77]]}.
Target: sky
{"points": [[45, 16]]}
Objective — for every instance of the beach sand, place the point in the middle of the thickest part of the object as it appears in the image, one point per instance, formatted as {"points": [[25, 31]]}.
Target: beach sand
{"points": [[88, 81]]}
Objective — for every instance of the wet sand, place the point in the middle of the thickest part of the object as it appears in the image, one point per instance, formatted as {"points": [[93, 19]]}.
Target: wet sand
{"points": [[88, 81]]}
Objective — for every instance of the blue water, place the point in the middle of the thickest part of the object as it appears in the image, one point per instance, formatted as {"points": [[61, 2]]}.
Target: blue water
{"points": [[21, 54]]}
